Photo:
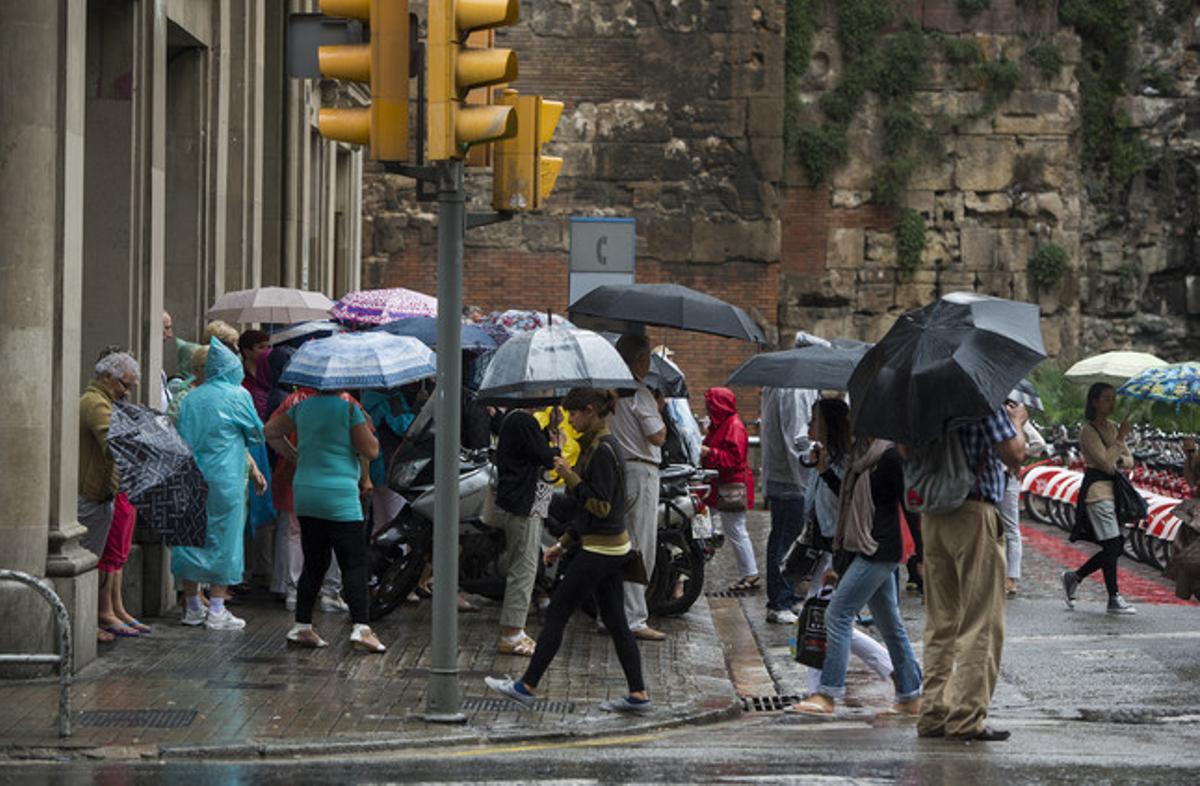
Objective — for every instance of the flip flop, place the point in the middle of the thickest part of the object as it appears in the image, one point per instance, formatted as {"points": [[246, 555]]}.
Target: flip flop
{"points": [[104, 637], [124, 631], [140, 627], [808, 708]]}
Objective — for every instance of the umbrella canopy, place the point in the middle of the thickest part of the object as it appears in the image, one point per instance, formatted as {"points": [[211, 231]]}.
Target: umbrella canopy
{"points": [[297, 334], [628, 307], [378, 306], [1026, 394], [954, 360], [667, 377], [815, 366], [159, 474], [1177, 384], [424, 329], [352, 361], [542, 365], [1112, 368], [503, 325], [270, 305]]}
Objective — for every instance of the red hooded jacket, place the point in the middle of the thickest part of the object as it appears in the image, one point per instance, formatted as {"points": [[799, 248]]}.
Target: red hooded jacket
{"points": [[727, 443]]}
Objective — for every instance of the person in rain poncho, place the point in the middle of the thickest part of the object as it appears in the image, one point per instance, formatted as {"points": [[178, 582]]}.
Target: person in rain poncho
{"points": [[724, 450], [219, 423]]}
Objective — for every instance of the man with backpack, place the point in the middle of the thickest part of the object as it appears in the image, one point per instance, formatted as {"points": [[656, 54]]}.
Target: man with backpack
{"points": [[958, 483]]}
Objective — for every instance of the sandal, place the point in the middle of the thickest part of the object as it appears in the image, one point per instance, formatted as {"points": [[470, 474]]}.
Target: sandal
{"points": [[745, 584], [124, 631], [807, 707], [139, 626], [104, 637], [522, 647]]}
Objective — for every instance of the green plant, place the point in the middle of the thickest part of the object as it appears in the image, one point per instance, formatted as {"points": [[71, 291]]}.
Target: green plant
{"points": [[891, 180], [800, 24], [910, 240], [961, 54], [904, 64], [1048, 265], [1130, 273], [998, 78], [820, 149], [860, 23], [1158, 79], [1046, 58], [1062, 399], [969, 8], [1129, 153], [1028, 172]]}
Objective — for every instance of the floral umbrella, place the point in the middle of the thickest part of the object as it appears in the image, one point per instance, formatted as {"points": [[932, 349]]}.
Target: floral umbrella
{"points": [[1178, 384], [503, 325], [379, 306]]}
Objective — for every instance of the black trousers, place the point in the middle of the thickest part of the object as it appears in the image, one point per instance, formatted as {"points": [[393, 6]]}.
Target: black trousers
{"points": [[1105, 559], [589, 574], [320, 539]]}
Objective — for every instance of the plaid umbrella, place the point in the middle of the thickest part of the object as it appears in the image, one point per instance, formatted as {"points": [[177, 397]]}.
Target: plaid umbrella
{"points": [[1178, 384], [158, 474], [378, 306], [354, 361]]}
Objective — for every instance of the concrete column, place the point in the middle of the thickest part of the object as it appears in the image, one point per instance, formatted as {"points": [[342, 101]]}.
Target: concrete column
{"points": [[255, 55], [41, 181], [219, 152], [233, 53]]}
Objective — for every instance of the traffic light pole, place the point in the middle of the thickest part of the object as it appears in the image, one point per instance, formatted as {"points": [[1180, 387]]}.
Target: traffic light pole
{"points": [[442, 703]]}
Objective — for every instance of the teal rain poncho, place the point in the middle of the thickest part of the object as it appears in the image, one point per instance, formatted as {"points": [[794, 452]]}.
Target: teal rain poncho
{"points": [[219, 423]]}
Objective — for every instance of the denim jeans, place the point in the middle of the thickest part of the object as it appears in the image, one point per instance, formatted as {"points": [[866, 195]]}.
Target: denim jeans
{"points": [[787, 511], [871, 584]]}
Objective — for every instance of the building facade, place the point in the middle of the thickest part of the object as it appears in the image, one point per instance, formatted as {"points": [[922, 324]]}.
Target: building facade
{"points": [[153, 154]]}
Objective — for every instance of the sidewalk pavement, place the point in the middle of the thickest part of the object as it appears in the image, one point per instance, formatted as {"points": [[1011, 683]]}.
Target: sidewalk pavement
{"points": [[189, 692]]}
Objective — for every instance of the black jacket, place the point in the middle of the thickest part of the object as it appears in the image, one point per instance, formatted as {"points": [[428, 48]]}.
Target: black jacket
{"points": [[600, 492], [522, 453]]}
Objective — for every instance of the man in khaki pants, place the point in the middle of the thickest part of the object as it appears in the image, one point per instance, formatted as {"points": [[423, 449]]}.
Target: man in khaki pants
{"points": [[964, 586]]}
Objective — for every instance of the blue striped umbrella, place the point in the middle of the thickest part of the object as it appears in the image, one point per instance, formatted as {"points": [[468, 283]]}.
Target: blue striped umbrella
{"points": [[352, 361]]}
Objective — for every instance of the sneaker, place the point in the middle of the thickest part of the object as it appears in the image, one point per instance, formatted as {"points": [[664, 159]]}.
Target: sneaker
{"points": [[194, 617], [628, 705], [224, 621], [508, 687], [781, 616], [333, 604], [1070, 583], [1118, 605]]}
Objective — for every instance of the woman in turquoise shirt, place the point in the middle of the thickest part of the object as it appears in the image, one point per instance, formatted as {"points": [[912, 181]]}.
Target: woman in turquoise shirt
{"points": [[332, 434]]}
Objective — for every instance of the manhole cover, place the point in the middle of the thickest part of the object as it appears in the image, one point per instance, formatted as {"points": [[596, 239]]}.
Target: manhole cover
{"points": [[767, 703], [503, 705], [154, 719]]}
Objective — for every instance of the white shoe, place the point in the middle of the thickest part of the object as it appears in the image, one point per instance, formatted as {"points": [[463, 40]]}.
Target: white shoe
{"points": [[781, 616], [224, 621], [194, 617], [333, 604], [290, 600]]}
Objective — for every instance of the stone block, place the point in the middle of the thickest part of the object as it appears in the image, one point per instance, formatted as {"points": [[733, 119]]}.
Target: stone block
{"points": [[1052, 205], [1153, 259], [850, 199], [764, 117], [388, 234], [579, 159], [980, 246], [845, 249], [1052, 337], [1060, 169], [916, 289], [996, 282], [933, 174], [876, 297], [544, 232], [1193, 294], [717, 241], [1111, 255], [720, 118], [1149, 111], [955, 281], [667, 239], [637, 161], [921, 201], [1016, 246], [987, 204], [949, 208], [768, 154], [937, 250], [984, 163], [1035, 113], [872, 327]]}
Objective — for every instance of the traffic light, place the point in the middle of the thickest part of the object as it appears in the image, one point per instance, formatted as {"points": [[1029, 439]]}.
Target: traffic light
{"points": [[456, 68], [522, 178], [383, 64]]}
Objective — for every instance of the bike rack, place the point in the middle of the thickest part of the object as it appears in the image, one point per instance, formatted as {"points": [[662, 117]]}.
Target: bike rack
{"points": [[62, 625]]}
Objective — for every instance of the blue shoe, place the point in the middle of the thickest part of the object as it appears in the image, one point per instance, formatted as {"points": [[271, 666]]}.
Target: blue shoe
{"points": [[509, 687], [628, 705]]}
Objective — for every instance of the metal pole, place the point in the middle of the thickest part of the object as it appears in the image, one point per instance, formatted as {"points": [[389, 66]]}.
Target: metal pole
{"points": [[442, 701]]}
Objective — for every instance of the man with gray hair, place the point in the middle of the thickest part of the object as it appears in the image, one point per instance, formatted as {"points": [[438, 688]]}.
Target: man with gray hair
{"points": [[639, 430], [116, 374]]}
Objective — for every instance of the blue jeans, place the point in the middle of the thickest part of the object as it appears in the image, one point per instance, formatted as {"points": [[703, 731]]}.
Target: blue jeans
{"points": [[787, 511], [871, 584]]}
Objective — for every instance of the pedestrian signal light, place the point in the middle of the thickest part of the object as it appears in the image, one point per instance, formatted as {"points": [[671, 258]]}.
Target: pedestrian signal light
{"points": [[383, 65], [522, 176], [455, 68]]}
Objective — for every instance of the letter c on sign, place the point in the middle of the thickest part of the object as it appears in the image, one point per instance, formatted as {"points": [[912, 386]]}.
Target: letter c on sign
{"points": [[601, 242]]}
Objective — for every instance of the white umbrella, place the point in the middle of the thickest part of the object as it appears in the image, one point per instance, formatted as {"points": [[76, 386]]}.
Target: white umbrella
{"points": [[270, 305], [542, 365], [1112, 368]]}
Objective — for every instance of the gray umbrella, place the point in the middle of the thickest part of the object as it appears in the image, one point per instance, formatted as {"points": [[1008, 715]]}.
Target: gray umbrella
{"points": [[628, 308], [814, 366], [542, 365], [270, 305]]}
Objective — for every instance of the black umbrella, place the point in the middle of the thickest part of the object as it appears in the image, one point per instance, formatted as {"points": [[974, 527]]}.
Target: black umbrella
{"points": [[627, 308], [952, 361], [158, 474], [814, 366]]}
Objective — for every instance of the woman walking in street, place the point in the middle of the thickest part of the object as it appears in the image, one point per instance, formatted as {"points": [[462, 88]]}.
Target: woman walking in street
{"points": [[219, 423], [724, 449], [1102, 443], [597, 488], [333, 440], [867, 552]]}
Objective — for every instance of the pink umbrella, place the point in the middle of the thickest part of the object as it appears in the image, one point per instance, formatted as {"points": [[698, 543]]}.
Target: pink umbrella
{"points": [[380, 306]]}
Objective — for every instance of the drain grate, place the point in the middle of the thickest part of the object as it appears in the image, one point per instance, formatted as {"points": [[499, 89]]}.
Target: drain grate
{"points": [[729, 593], [504, 705], [767, 703], [153, 719]]}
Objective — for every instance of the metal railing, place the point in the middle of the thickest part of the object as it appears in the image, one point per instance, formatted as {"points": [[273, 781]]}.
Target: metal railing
{"points": [[62, 625]]}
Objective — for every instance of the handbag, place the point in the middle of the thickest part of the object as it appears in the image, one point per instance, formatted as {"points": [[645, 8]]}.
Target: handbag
{"points": [[634, 569], [1130, 506], [809, 648], [731, 497]]}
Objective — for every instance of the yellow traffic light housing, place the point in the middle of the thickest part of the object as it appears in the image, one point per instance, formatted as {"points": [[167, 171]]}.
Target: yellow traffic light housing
{"points": [[455, 69], [383, 65], [522, 176]]}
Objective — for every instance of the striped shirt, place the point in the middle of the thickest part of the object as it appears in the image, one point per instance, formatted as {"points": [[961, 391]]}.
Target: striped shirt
{"points": [[979, 439]]}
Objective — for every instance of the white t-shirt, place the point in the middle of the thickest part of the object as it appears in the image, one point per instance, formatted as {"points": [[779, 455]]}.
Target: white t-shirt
{"points": [[635, 418]]}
